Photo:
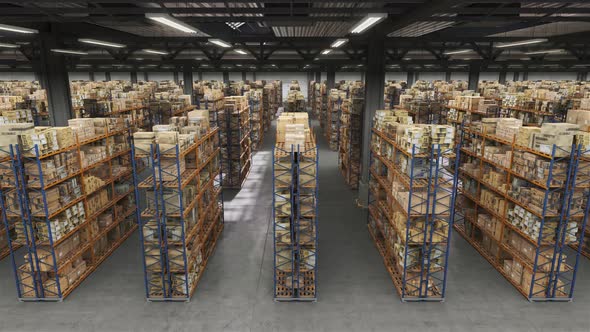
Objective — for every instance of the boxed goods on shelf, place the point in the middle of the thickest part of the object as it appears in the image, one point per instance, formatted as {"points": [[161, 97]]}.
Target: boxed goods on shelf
{"points": [[182, 216], [522, 186], [236, 149], [70, 220], [410, 219], [295, 214]]}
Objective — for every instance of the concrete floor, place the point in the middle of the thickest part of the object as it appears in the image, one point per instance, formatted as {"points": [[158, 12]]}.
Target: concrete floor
{"points": [[235, 294]]}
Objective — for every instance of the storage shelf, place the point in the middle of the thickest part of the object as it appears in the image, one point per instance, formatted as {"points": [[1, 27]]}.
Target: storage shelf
{"points": [[177, 244]]}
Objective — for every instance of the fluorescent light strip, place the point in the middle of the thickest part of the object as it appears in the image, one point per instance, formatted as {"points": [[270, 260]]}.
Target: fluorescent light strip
{"points": [[326, 51], [13, 28], [457, 52], [59, 50], [219, 42], [171, 22], [100, 42], [523, 42], [367, 22], [8, 45], [339, 42], [147, 50], [545, 52], [239, 51]]}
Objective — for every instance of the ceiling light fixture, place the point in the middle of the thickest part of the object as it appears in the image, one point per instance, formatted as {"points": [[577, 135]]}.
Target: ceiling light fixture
{"points": [[220, 43], [339, 42], [457, 52], [522, 42], [8, 45], [367, 22], [59, 50], [171, 22], [100, 43], [239, 51], [545, 52], [326, 51], [13, 28], [235, 25], [147, 50]]}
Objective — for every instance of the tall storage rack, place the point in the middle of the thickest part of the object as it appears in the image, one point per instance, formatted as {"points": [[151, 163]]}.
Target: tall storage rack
{"points": [[333, 119], [256, 127], [295, 202], [349, 151], [411, 214], [182, 217], [73, 219], [9, 205], [236, 147], [269, 104], [525, 240], [213, 102]]}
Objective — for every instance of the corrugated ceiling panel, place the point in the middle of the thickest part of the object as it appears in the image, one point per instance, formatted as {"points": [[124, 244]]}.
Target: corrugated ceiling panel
{"points": [[547, 30], [152, 30], [318, 29]]}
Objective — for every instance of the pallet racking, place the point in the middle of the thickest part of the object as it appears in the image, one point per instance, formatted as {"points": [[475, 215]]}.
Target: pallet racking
{"points": [[236, 147], [9, 204], [183, 213], [411, 209], [349, 149], [519, 219], [295, 210], [332, 128], [78, 208], [256, 130]]}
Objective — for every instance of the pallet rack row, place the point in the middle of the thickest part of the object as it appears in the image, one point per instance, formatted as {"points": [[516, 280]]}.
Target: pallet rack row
{"points": [[270, 103], [256, 118], [295, 211], [182, 215], [236, 147], [349, 150], [334, 110], [411, 207], [76, 205], [521, 208]]}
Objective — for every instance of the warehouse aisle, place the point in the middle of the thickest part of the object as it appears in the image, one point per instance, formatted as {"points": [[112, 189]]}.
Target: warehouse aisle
{"points": [[355, 292]]}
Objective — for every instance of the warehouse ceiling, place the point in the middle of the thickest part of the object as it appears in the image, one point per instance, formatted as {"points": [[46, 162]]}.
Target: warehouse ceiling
{"points": [[291, 34]]}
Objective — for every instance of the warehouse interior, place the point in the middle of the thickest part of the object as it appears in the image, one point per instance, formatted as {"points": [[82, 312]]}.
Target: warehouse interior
{"points": [[294, 165]]}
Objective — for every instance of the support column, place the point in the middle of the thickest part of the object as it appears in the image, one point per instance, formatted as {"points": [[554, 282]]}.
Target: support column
{"points": [[525, 76], [244, 78], [200, 75], [409, 80], [253, 76], [516, 78], [318, 76], [363, 76], [145, 76], [310, 77], [374, 88], [91, 76], [330, 78], [133, 77], [502, 78], [175, 76], [448, 76], [54, 74], [107, 75], [187, 80], [473, 77], [225, 77]]}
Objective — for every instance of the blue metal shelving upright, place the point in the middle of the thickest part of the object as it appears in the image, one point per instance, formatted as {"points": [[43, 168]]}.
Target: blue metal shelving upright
{"points": [[295, 222]]}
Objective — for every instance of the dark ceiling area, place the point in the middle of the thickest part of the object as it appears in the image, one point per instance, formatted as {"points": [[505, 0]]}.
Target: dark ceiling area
{"points": [[425, 35]]}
